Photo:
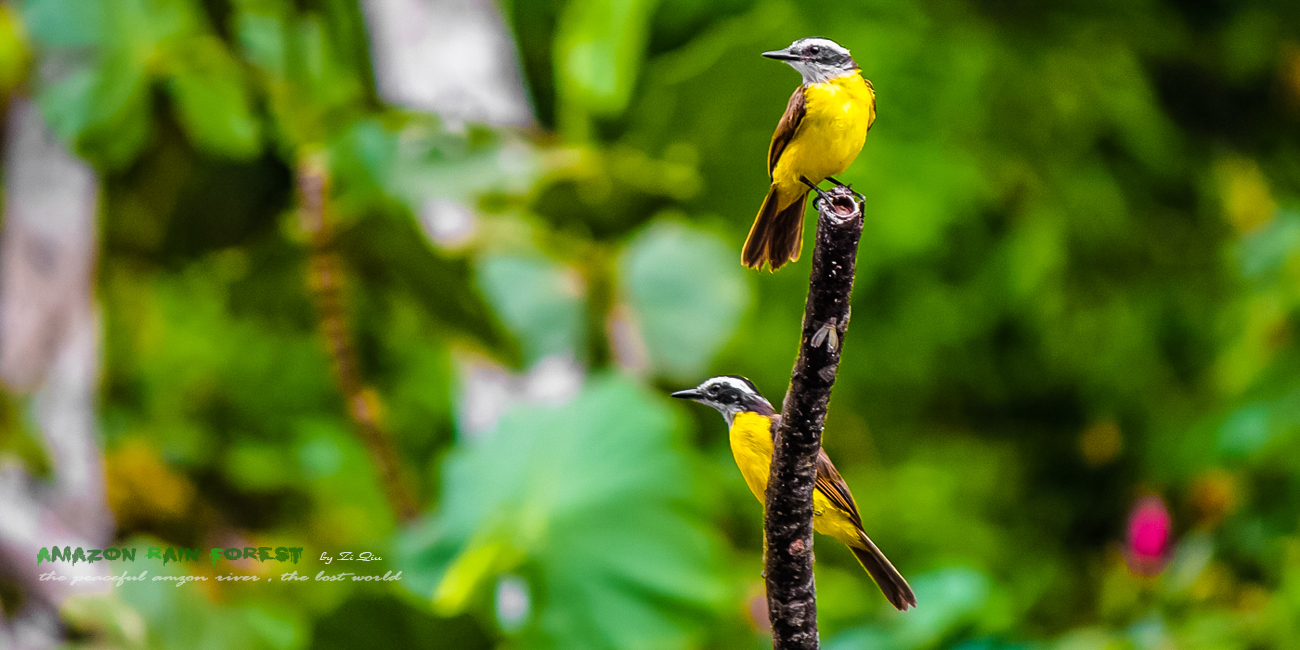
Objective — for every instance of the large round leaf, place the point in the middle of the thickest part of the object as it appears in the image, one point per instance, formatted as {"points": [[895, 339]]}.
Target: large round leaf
{"points": [[593, 501]]}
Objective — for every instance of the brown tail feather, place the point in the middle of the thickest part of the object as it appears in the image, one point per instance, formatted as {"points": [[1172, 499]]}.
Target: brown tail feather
{"points": [[888, 578], [777, 235]]}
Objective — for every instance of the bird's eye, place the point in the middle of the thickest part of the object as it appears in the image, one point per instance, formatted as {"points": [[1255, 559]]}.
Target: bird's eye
{"points": [[814, 49]]}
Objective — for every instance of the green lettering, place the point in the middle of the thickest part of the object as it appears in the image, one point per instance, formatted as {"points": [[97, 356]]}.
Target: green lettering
{"points": [[250, 552], [169, 556], [112, 554], [191, 554], [65, 554], [78, 555], [263, 553], [43, 555], [281, 553], [297, 553], [94, 556], [215, 554], [128, 554], [155, 553]]}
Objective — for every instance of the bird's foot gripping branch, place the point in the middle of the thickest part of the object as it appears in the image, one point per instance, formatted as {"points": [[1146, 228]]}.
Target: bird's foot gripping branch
{"points": [[791, 596]]}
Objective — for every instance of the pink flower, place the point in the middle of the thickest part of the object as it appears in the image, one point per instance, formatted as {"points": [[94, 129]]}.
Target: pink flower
{"points": [[1149, 529]]}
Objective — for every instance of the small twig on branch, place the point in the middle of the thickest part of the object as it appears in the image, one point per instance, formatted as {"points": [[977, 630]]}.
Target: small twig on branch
{"points": [[325, 278], [791, 595]]}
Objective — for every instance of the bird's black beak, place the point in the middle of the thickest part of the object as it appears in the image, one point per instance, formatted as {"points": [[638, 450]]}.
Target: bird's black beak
{"points": [[781, 55], [687, 394]]}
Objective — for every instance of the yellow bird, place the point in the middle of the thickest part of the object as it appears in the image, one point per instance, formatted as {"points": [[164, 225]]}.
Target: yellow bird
{"points": [[821, 133], [752, 422]]}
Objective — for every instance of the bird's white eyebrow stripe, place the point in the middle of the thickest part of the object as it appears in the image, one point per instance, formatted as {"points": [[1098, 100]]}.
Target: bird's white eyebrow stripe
{"points": [[824, 42], [734, 383]]}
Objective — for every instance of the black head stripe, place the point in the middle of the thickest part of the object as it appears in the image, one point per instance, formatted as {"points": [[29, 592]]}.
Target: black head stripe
{"points": [[740, 392], [746, 381], [825, 52]]}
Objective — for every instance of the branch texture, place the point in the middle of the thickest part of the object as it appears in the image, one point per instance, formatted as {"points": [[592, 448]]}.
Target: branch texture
{"points": [[791, 595], [325, 277]]}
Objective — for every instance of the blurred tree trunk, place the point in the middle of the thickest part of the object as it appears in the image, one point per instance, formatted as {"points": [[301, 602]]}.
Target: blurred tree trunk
{"points": [[455, 58], [49, 349]]}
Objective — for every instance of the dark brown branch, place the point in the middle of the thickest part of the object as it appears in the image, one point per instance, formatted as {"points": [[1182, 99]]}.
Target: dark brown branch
{"points": [[325, 278], [791, 595]]}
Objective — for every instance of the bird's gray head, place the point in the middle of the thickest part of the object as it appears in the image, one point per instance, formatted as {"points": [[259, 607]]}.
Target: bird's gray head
{"points": [[730, 394], [817, 59]]}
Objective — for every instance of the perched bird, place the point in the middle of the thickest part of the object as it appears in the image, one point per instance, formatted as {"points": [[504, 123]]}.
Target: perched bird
{"points": [[752, 422], [821, 133]]}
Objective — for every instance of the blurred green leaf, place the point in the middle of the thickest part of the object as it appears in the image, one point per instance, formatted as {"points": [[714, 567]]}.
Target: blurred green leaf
{"points": [[592, 500], [98, 99], [598, 50], [186, 354], [15, 54], [687, 293], [948, 599], [362, 159], [65, 23], [312, 88], [391, 256], [437, 163], [211, 99], [261, 37], [1268, 249], [541, 302], [860, 639], [393, 162], [258, 466], [102, 110], [954, 596], [1246, 431]]}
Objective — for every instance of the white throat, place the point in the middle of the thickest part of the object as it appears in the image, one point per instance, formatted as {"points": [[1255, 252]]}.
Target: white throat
{"points": [[729, 414], [814, 73]]}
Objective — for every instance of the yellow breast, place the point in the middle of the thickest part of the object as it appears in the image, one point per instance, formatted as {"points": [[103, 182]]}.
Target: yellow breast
{"points": [[751, 445], [834, 127]]}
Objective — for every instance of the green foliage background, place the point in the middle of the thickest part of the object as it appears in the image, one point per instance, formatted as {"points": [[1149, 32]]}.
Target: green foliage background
{"points": [[1078, 284]]}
